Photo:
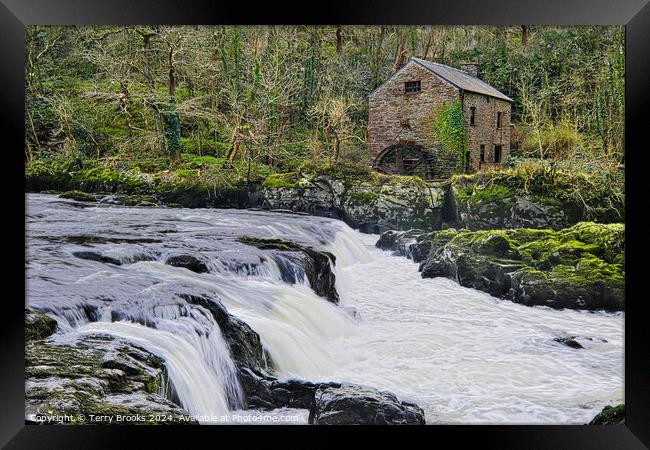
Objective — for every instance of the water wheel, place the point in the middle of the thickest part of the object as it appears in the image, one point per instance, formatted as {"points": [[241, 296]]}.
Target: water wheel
{"points": [[402, 159]]}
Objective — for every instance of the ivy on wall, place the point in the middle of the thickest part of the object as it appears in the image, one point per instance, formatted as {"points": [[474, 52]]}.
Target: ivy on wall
{"points": [[172, 128], [450, 131]]}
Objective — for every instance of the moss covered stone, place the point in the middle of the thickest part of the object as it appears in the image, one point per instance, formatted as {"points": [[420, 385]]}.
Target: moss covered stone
{"points": [[535, 196], [282, 180], [78, 195], [97, 375], [38, 325], [610, 415], [580, 267]]}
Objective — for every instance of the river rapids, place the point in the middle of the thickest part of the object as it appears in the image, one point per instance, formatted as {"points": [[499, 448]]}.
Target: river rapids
{"points": [[463, 356]]}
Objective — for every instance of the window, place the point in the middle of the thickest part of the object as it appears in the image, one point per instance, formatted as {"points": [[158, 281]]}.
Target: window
{"points": [[482, 153], [472, 115], [499, 114], [412, 86], [497, 153]]}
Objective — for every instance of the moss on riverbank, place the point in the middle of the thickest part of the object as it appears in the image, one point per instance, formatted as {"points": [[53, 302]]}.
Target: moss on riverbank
{"points": [[581, 267], [370, 201], [595, 196]]}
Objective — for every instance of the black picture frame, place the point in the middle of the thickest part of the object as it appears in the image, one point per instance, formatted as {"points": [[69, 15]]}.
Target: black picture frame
{"points": [[15, 15]]}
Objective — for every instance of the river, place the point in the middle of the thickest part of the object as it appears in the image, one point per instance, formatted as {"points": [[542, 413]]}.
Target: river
{"points": [[462, 355]]}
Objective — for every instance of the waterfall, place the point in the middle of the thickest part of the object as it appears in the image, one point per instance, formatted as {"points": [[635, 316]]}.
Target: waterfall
{"points": [[462, 355], [199, 387]]}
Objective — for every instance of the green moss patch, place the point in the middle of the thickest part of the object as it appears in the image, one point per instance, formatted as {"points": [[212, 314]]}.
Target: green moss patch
{"points": [[282, 180], [78, 195], [578, 267]]}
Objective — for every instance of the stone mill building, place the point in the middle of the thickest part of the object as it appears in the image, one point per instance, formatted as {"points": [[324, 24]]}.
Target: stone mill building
{"points": [[403, 110]]}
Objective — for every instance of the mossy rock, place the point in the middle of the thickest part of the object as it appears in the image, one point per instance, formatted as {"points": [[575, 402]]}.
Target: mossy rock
{"points": [[38, 325], [97, 375], [361, 198], [580, 267], [282, 180], [136, 200], [610, 415], [78, 195], [536, 195]]}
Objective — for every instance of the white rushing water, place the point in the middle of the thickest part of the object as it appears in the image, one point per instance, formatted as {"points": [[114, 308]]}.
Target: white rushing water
{"points": [[462, 355]]}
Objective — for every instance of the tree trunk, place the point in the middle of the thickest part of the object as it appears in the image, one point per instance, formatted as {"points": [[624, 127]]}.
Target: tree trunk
{"points": [[524, 34], [146, 46], [401, 53], [172, 73], [339, 38]]}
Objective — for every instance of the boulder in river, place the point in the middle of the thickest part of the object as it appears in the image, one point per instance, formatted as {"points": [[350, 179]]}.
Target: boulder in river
{"points": [[188, 262], [610, 415], [569, 341], [350, 404], [96, 256], [332, 403], [38, 325], [79, 196]]}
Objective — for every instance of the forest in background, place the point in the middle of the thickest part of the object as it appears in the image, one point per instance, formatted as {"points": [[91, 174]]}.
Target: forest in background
{"points": [[233, 103]]}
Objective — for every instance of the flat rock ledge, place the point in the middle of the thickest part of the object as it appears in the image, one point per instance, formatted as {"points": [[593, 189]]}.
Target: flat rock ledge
{"points": [[94, 379], [317, 264]]}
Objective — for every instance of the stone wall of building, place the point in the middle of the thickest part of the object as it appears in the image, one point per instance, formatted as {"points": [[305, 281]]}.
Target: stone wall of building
{"points": [[396, 117], [484, 131]]}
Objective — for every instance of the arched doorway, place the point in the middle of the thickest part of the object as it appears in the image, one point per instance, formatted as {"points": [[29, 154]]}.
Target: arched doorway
{"points": [[403, 159]]}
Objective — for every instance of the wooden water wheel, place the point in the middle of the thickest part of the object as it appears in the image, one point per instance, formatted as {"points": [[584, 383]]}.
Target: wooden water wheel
{"points": [[401, 159]]}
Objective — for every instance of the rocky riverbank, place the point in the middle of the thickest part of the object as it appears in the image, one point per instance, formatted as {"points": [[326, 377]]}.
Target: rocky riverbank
{"points": [[580, 267], [370, 202]]}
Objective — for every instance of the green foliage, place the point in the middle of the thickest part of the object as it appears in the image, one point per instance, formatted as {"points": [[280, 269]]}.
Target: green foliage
{"points": [[198, 162], [600, 195], [343, 169], [293, 101], [450, 131], [559, 141]]}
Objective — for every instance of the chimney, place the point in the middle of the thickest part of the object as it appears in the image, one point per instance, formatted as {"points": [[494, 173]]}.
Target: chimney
{"points": [[470, 68]]}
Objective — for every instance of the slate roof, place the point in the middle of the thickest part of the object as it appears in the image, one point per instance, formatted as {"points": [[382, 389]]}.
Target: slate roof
{"points": [[461, 79]]}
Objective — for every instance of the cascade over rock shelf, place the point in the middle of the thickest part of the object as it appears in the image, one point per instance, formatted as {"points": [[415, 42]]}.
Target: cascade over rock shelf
{"points": [[94, 375], [101, 375]]}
